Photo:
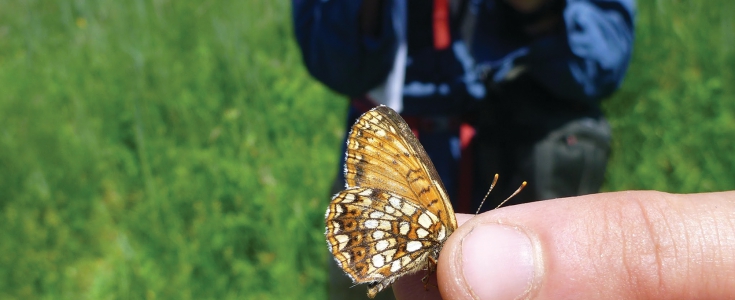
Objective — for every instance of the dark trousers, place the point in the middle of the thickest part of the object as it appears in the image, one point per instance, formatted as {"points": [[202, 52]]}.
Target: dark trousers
{"points": [[567, 161], [560, 147]]}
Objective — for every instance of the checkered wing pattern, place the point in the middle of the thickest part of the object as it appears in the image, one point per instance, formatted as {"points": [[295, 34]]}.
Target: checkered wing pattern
{"points": [[394, 215]]}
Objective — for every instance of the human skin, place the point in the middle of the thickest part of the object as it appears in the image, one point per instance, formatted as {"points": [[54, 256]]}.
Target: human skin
{"points": [[623, 245]]}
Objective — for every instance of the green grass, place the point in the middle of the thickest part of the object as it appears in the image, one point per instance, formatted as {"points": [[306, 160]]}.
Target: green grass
{"points": [[179, 150], [161, 150], [674, 118]]}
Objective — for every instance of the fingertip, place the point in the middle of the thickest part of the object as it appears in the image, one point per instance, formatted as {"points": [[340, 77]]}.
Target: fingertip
{"points": [[487, 261], [603, 246]]}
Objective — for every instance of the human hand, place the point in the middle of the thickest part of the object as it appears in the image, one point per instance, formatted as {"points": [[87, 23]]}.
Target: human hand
{"points": [[623, 245]]}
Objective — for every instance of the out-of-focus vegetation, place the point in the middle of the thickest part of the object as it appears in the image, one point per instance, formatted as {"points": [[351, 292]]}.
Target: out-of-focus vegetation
{"points": [[674, 118], [179, 150], [161, 150]]}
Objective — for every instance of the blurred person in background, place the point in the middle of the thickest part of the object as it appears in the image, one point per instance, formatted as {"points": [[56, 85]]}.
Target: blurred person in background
{"points": [[511, 87]]}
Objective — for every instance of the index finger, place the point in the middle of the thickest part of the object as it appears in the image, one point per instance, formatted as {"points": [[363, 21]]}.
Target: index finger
{"points": [[606, 246]]}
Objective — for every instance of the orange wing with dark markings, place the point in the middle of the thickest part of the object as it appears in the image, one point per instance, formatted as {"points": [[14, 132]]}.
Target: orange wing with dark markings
{"points": [[394, 215]]}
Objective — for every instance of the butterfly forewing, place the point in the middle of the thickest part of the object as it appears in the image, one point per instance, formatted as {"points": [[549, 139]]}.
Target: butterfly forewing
{"points": [[383, 152], [394, 213]]}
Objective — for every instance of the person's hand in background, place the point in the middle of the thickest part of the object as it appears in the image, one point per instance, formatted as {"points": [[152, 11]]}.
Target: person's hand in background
{"points": [[624, 245]]}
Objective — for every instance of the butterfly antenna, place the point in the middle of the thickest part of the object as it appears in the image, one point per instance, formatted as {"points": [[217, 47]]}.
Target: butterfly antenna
{"points": [[514, 193], [492, 185]]}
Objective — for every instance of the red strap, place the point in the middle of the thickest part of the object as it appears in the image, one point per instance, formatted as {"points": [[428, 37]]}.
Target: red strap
{"points": [[442, 38], [466, 169]]}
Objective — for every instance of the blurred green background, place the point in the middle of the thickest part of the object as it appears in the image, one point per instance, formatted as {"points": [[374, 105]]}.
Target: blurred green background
{"points": [[179, 150]]}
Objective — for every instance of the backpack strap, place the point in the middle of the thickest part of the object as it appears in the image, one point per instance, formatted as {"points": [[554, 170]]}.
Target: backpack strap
{"points": [[451, 17], [441, 22]]}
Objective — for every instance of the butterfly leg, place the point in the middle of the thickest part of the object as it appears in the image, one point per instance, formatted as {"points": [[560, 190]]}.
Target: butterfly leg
{"points": [[430, 269]]}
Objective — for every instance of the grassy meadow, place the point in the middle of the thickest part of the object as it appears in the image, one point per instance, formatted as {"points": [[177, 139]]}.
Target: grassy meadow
{"points": [[179, 150]]}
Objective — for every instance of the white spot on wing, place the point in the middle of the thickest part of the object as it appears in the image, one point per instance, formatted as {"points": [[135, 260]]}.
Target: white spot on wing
{"points": [[376, 214], [384, 225], [389, 253], [408, 210], [338, 209], [342, 240], [422, 233], [395, 202], [378, 260], [442, 233], [403, 228], [425, 220], [413, 246], [395, 266], [349, 198], [371, 224], [381, 245], [378, 234], [388, 217], [405, 260]]}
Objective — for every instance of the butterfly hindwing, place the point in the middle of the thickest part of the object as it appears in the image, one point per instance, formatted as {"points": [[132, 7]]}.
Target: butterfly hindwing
{"points": [[377, 236]]}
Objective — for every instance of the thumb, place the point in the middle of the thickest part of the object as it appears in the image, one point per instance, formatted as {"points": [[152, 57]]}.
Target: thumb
{"points": [[606, 246]]}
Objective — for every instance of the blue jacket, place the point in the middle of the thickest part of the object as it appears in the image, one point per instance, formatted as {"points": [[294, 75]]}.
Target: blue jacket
{"points": [[584, 62]]}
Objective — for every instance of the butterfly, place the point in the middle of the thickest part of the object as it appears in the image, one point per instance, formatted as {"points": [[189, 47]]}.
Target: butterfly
{"points": [[394, 215]]}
